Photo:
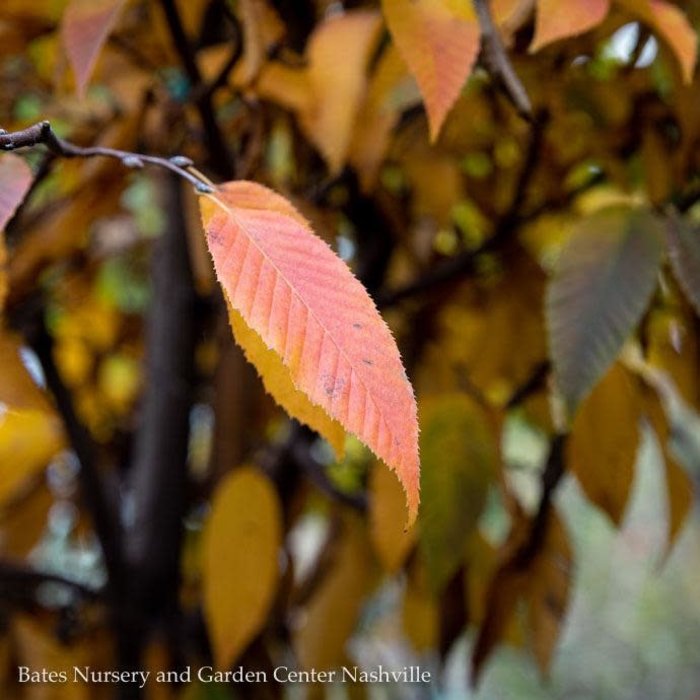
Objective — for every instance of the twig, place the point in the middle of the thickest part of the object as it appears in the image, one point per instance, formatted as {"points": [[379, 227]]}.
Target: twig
{"points": [[42, 134], [206, 91], [15, 578], [551, 476], [498, 62], [531, 385], [459, 265], [316, 473], [93, 489], [217, 146]]}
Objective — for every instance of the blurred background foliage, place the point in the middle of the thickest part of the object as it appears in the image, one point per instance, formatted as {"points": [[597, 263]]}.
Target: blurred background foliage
{"points": [[158, 511]]}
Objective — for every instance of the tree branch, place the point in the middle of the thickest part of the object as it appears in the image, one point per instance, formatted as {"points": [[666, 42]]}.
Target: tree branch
{"points": [[17, 580], [499, 64], [158, 475], [42, 134], [551, 476], [216, 145], [100, 507], [455, 267]]}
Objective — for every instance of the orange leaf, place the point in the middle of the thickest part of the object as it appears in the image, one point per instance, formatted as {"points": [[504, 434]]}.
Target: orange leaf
{"points": [[439, 39], [85, 27], [669, 22], [560, 20], [338, 53], [15, 179], [305, 304]]}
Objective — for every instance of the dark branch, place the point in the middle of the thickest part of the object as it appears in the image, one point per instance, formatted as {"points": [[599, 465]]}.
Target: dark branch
{"points": [[498, 63], [158, 476], [530, 386], [42, 134], [93, 490], [551, 476], [216, 145], [456, 267], [17, 579], [205, 92]]}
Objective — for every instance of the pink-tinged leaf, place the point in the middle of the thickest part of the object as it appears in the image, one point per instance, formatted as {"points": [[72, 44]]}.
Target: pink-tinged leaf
{"points": [[604, 280], [439, 40], [559, 19], [671, 24], [85, 26], [15, 180], [305, 304]]}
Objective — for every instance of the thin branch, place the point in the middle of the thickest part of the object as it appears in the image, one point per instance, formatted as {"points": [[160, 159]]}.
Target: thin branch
{"points": [[316, 473], [207, 91], [453, 268], [499, 64], [102, 511], [18, 578], [217, 146], [42, 134], [530, 386], [551, 476]]}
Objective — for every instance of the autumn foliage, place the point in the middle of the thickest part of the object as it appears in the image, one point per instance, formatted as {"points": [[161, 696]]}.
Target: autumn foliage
{"points": [[280, 280]]}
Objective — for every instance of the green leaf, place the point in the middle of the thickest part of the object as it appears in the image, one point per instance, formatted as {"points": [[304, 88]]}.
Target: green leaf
{"points": [[604, 280], [684, 247], [458, 463]]}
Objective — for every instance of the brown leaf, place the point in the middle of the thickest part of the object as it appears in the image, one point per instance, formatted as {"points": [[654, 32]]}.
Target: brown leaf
{"points": [[602, 448]]}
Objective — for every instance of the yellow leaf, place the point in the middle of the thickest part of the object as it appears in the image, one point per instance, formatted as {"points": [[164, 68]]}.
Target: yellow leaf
{"points": [[477, 335], [440, 41], [262, 29], [331, 615], [278, 383], [391, 541], [240, 570], [391, 90], [672, 346], [17, 388], [23, 519], [602, 448], [286, 86], [679, 485], [28, 441], [510, 15], [419, 610], [480, 565], [38, 646], [542, 580]]}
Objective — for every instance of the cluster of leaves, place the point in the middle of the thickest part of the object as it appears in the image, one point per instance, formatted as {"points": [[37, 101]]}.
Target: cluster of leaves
{"points": [[518, 199]]}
